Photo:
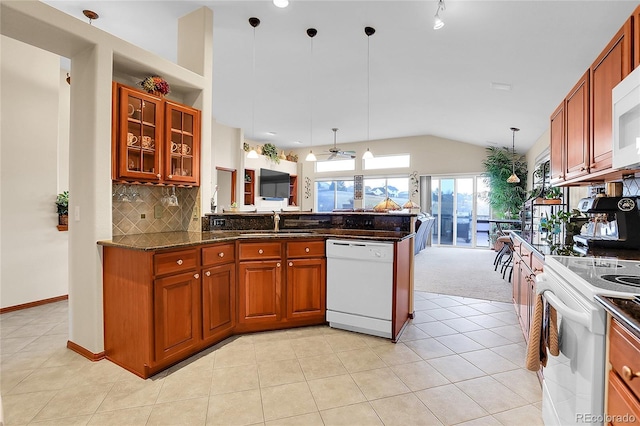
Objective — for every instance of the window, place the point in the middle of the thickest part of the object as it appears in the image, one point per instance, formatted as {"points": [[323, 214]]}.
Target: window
{"points": [[387, 162], [335, 165], [376, 190], [334, 194]]}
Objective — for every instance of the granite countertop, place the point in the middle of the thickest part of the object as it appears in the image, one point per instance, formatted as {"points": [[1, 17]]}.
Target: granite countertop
{"points": [[168, 240], [626, 311]]}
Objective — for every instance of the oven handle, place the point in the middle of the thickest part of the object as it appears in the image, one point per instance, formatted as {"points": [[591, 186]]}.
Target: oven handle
{"points": [[581, 318]]}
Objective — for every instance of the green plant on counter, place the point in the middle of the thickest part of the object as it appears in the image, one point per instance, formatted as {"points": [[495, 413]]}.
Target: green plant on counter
{"points": [[270, 151], [560, 228], [62, 203]]}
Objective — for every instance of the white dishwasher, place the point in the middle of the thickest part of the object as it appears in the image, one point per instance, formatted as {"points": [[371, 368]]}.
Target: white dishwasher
{"points": [[360, 286]]}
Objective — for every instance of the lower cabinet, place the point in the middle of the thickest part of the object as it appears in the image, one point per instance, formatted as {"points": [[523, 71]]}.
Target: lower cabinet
{"points": [[175, 313], [306, 289], [527, 263], [623, 387], [260, 292], [218, 301]]}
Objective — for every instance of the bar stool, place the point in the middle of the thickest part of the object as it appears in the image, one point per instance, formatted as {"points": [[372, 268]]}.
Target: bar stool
{"points": [[505, 250]]}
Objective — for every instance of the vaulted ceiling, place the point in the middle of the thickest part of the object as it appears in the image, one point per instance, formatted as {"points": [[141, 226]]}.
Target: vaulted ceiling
{"points": [[421, 81]]}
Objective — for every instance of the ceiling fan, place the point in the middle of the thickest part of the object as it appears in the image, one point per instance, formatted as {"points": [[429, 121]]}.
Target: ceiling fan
{"points": [[336, 152]]}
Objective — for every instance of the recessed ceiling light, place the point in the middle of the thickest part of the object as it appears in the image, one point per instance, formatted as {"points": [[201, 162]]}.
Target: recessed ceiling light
{"points": [[271, 133], [501, 86], [298, 142], [281, 3]]}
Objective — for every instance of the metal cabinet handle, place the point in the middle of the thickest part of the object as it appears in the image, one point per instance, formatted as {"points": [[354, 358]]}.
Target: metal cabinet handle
{"points": [[170, 176], [278, 264], [179, 262], [260, 251], [537, 270], [158, 176], [306, 249], [290, 263], [221, 254], [196, 276], [628, 373], [208, 273]]}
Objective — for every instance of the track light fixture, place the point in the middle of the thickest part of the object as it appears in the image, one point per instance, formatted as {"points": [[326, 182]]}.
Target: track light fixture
{"points": [[438, 22], [514, 177]]}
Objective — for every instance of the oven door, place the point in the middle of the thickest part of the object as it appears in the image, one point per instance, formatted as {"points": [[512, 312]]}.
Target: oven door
{"points": [[573, 384]]}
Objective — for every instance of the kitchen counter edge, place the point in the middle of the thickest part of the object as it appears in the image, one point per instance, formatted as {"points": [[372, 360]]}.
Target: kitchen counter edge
{"points": [[626, 311], [173, 240]]}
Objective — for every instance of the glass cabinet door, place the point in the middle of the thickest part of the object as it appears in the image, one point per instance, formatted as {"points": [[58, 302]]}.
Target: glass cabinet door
{"points": [[183, 130], [140, 135]]}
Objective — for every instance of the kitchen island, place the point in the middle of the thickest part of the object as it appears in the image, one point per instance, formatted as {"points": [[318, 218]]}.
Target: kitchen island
{"points": [[170, 295]]}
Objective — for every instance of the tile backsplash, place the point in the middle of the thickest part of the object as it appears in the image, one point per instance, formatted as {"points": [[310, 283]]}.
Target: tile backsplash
{"points": [[134, 208], [631, 186]]}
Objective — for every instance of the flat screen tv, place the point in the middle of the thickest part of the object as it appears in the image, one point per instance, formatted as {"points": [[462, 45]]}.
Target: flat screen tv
{"points": [[274, 184]]}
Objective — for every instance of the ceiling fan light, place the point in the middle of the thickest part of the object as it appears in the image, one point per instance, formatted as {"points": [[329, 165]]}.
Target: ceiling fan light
{"points": [[311, 156], [513, 178], [367, 155], [253, 154], [281, 3]]}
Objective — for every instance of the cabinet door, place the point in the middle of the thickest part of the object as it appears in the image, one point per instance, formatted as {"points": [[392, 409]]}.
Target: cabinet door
{"points": [[139, 135], [218, 300], [260, 292], [557, 144], [577, 129], [176, 318], [613, 64], [636, 38], [306, 288], [182, 164]]}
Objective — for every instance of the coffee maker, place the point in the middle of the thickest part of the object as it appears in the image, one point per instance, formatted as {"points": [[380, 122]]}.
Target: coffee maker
{"points": [[614, 222]]}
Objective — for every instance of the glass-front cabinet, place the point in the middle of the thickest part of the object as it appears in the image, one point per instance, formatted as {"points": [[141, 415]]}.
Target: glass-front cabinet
{"points": [[182, 126], [140, 135], [156, 140]]}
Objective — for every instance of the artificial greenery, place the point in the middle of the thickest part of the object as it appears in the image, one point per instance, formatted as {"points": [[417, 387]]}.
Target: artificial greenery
{"points": [[62, 203], [506, 199], [270, 151]]}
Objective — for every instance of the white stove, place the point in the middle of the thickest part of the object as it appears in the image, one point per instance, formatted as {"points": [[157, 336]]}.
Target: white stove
{"points": [[573, 384]]}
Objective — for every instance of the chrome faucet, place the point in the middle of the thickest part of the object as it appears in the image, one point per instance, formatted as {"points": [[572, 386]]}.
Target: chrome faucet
{"points": [[276, 221]]}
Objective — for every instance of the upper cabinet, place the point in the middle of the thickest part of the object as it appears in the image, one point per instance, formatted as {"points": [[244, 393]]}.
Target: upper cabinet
{"points": [[613, 65], [636, 38], [155, 140], [581, 127]]}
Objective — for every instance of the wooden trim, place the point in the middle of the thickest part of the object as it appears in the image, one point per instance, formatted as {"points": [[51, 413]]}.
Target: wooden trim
{"points": [[33, 304], [85, 352]]}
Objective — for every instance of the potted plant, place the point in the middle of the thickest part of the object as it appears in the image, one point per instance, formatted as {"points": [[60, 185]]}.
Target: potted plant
{"points": [[270, 151], [552, 195], [62, 206]]}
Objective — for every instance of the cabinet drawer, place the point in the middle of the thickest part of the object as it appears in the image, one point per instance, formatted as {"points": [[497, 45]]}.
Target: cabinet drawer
{"points": [[622, 406], [259, 250], [217, 255], [305, 249], [175, 261], [624, 355]]}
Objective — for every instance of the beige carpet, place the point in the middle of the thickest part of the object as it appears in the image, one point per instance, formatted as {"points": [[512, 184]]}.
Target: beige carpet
{"points": [[460, 272]]}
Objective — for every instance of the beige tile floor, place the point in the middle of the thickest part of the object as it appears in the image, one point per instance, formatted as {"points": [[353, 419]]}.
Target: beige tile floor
{"points": [[458, 363]]}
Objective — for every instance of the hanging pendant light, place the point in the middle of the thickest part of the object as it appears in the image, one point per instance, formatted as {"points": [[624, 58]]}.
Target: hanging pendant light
{"points": [[254, 22], [514, 177], [369, 31], [311, 32], [437, 21]]}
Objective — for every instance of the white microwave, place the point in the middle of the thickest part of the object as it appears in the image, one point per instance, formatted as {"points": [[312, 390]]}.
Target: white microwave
{"points": [[626, 122]]}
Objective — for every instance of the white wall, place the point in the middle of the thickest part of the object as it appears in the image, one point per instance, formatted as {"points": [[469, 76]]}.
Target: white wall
{"points": [[263, 162], [430, 155], [33, 253]]}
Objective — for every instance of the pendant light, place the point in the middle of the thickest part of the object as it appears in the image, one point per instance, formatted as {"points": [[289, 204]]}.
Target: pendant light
{"points": [[311, 32], [514, 177], [369, 31], [437, 22], [254, 22]]}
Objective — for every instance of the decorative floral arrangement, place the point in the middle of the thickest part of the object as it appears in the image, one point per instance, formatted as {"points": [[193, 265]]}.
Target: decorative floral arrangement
{"points": [[270, 151], [155, 84], [62, 203]]}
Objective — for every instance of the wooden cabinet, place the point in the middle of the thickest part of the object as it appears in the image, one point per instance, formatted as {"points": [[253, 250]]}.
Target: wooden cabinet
{"points": [[527, 263], [636, 37], [154, 140], [218, 292], [306, 280], [249, 187], [613, 64], [577, 129], [293, 190], [175, 313], [557, 138], [623, 388]]}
